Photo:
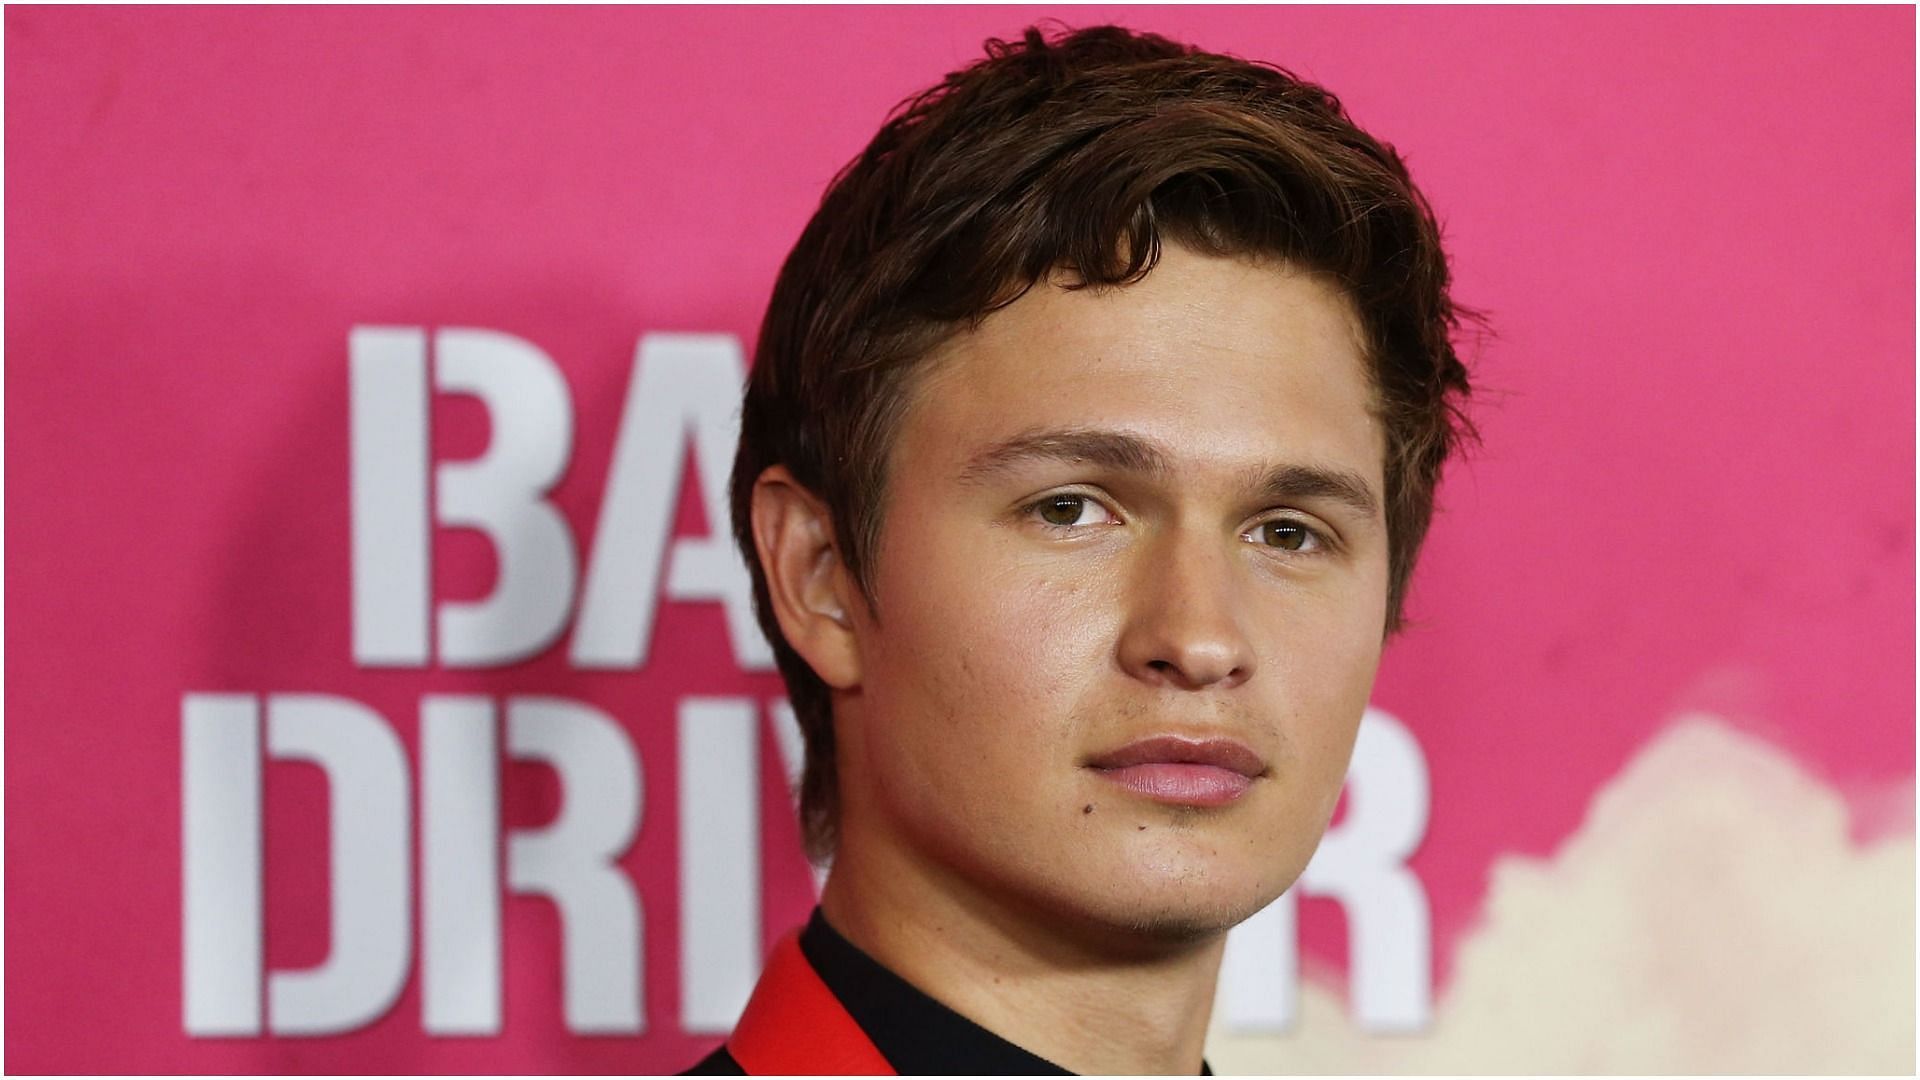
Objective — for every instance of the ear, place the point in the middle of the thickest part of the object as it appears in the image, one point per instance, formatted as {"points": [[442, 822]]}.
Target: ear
{"points": [[811, 589]]}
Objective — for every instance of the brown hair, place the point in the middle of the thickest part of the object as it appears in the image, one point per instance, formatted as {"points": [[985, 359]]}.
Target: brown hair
{"points": [[1084, 153]]}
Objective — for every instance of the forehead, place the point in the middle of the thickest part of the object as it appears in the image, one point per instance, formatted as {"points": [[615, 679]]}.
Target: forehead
{"points": [[1231, 364]]}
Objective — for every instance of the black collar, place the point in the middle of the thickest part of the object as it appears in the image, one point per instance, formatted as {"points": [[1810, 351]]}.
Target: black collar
{"points": [[916, 1034]]}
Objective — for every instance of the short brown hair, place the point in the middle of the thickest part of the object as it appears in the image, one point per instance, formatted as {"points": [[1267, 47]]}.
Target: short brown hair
{"points": [[1082, 153]]}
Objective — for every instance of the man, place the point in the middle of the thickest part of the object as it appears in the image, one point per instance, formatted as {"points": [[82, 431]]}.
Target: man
{"points": [[1091, 436]]}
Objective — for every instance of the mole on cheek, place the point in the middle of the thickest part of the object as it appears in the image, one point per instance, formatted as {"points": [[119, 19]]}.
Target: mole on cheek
{"points": [[1087, 809]]}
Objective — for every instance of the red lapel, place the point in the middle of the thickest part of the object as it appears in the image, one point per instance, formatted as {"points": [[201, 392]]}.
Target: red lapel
{"points": [[793, 1025]]}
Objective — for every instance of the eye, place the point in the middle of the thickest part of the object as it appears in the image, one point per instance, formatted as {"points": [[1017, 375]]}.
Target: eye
{"points": [[1069, 511], [1287, 535]]}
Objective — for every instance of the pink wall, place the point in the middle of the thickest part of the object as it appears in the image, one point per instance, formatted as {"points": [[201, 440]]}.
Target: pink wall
{"points": [[1693, 230]]}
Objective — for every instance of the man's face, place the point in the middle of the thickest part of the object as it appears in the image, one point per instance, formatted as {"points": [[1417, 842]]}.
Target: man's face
{"points": [[1113, 518]]}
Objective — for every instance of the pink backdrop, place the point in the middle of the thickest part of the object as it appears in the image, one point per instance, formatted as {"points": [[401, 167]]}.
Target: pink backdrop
{"points": [[1693, 230]]}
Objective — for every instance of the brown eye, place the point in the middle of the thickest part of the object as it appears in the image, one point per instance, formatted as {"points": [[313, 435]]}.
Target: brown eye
{"points": [[1286, 535], [1062, 509]]}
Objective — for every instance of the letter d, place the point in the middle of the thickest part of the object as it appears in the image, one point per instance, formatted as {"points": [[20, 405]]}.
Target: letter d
{"points": [[366, 775]]}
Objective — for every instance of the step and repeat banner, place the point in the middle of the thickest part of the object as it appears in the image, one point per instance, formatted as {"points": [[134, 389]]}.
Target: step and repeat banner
{"points": [[383, 691]]}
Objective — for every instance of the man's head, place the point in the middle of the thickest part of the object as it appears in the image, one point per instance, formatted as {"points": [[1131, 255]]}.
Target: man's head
{"points": [[1062, 432]]}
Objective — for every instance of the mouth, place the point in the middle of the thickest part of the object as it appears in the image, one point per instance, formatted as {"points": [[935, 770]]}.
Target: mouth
{"points": [[1182, 772]]}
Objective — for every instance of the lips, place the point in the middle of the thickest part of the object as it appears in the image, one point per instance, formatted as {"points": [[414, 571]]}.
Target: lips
{"points": [[1188, 772], [1173, 750]]}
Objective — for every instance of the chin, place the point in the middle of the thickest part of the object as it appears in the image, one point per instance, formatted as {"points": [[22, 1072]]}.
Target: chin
{"points": [[1176, 926], [1162, 905]]}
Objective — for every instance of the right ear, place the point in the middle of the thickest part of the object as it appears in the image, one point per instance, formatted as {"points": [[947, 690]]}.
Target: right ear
{"points": [[811, 588]]}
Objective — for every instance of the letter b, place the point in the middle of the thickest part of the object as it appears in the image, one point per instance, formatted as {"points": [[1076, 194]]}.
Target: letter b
{"points": [[502, 494]]}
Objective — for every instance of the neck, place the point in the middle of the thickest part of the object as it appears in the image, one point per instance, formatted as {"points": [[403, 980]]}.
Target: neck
{"points": [[1088, 998]]}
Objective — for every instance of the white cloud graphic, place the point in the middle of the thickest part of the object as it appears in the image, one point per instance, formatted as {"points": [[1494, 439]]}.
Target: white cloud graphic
{"points": [[1711, 914]]}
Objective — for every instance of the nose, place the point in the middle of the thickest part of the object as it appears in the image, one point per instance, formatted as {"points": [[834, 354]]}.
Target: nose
{"points": [[1185, 620]]}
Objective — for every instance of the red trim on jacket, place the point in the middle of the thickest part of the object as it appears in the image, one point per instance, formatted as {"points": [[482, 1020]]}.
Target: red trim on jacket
{"points": [[793, 1025]]}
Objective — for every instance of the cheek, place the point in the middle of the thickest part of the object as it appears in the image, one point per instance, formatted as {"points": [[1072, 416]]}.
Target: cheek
{"points": [[982, 656], [1328, 654], [972, 692]]}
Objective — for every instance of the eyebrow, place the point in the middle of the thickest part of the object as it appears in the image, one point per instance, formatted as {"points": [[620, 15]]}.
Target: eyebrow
{"points": [[1121, 452]]}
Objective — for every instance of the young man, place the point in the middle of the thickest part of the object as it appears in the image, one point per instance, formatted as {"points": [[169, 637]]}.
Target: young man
{"points": [[1091, 436]]}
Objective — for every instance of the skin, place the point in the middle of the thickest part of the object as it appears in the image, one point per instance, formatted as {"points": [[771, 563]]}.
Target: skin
{"points": [[1030, 617]]}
